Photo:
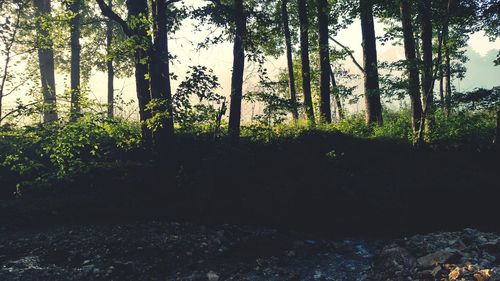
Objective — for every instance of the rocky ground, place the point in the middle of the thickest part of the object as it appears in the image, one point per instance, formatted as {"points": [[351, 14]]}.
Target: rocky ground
{"points": [[173, 251]]}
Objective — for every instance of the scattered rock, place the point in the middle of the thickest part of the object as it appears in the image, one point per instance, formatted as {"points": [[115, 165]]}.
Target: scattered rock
{"points": [[439, 257]]}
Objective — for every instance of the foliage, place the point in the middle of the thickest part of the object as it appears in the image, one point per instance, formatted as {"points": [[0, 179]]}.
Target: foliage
{"points": [[61, 150]]}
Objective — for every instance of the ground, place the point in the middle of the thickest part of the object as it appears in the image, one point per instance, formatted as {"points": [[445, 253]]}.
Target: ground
{"points": [[183, 251]]}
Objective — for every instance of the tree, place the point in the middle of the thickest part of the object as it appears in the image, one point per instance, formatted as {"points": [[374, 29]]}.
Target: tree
{"points": [[109, 64], [9, 29], [304, 54], [289, 59], [44, 46], [324, 57], [160, 74], [74, 7], [371, 80], [238, 69], [137, 31], [427, 75], [411, 64]]}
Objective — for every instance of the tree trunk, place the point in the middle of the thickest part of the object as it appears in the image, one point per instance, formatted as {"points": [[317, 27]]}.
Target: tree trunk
{"points": [[238, 69], [427, 74], [412, 65], [497, 135], [338, 101], [288, 42], [75, 7], [46, 61], [447, 73], [109, 64], [324, 63], [141, 63], [160, 74], [371, 82], [304, 54]]}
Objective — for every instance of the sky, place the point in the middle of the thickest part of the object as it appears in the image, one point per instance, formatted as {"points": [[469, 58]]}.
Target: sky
{"points": [[219, 58]]}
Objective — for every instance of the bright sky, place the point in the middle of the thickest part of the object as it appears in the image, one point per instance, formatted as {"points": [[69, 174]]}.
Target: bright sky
{"points": [[219, 58]]}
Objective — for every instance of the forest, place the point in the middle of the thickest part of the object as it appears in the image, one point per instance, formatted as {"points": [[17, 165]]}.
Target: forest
{"points": [[249, 140]]}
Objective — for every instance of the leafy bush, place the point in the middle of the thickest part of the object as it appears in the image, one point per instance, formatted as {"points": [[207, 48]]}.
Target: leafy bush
{"points": [[465, 129], [60, 150]]}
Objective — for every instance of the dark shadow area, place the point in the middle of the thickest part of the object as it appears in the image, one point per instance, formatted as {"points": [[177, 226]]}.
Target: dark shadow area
{"points": [[323, 183]]}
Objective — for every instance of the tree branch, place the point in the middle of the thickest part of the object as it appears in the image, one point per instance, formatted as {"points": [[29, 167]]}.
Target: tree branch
{"points": [[108, 12], [349, 52]]}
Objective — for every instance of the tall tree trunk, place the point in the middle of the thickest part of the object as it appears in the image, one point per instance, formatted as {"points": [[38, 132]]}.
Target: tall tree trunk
{"points": [[427, 74], [46, 61], [338, 101], [324, 62], [109, 64], [447, 73], [441, 86], [304, 54], [371, 79], [136, 8], [160, 74], [75, 7], [497, 135], [412, 65], [238, 69], [288, 42]]}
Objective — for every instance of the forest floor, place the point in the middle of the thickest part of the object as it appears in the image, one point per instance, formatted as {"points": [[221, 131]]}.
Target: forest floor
{"points": [[183, 251]]}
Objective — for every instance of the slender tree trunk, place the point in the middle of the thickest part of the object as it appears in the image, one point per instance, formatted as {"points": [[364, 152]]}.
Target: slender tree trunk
{"points": [[288, 41], [441, 86], [136, 8], [75, 7], [324, 63], [412, 65], [7, 53], [46, 61], [371, 80], [447, 73], [238, 69], [109, 64], [304, 54], [427, 74], [160, 74], [497, 135], [338, 101]]}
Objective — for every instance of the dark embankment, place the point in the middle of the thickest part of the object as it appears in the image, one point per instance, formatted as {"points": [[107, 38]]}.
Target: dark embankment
{"points": [[319, 182]]}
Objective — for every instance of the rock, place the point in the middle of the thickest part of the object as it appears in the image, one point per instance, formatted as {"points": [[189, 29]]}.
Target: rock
{"points": [[439, 257], [454, 274], [491, 247], [396, 257], [212, 276], [495, 274]]}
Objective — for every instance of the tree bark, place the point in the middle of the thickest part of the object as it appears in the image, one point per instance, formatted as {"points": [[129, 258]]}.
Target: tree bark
{"points": [[238, 69], [46, 61], [160, 73], [412, 65], [304, 54], [288, 42], [338, 101], [427, 74], [371, 79], [109, 64], [497, 135], [139, 34], [447, 73], [141, 63], [324, 63], [75, 9]]}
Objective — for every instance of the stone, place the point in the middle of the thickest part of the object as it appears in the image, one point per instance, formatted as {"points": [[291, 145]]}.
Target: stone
{"points": [[439, 257], [212, 276]]}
